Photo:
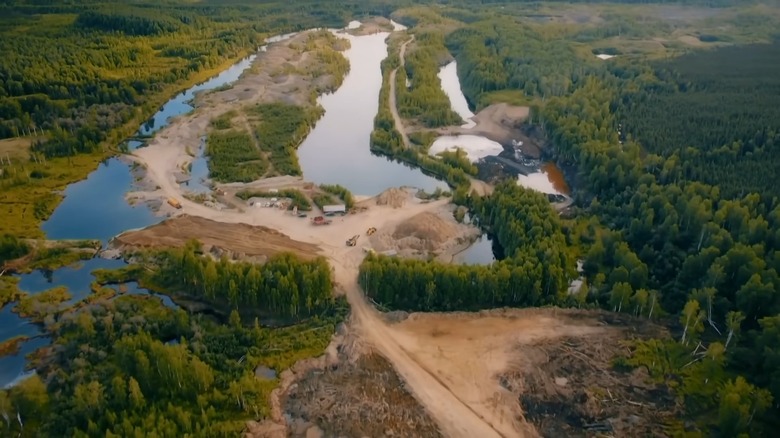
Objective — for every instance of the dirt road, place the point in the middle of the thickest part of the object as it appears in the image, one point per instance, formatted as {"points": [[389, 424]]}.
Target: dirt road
{"points": [[399, 124]]}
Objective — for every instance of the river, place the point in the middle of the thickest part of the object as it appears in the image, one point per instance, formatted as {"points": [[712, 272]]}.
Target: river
{"points": [[336, 151]]}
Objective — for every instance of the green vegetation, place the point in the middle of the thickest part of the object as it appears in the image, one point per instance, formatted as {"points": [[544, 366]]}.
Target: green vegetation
{"points": [[298, 198], [149, 369], [424, 100], [680, 108], [386, 140], [342, 192], [535, 272], [657, 238], [458, 159], [489, 61], [224, 121], [54, 258], [283, 287], [280, 131], [326, 49], [38, 306], [9, 292], [322, 199], [117, 276], [233, 157], [12, 248]]}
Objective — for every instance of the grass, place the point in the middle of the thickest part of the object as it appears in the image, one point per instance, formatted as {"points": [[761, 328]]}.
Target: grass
{"points": [[512, 97], [120, 275], [55, 258], [322, 199], [234, 157], [9, 290], [224, 121]]}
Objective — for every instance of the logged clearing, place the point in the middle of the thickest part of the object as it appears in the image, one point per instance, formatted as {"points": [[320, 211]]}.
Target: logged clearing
{"points": [[240, 240], [548, 367]]}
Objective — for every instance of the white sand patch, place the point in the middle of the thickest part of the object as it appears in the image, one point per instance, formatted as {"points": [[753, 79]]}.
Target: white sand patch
{"points": [[476, 147], [605, 56], [354, 24]]}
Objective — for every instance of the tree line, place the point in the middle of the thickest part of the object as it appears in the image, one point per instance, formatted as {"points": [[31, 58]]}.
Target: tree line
{"points": [[285, 286], [536, 271]]}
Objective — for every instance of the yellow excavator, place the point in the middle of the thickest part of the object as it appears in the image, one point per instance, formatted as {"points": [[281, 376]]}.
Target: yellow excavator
{"points": [[371, 231]]}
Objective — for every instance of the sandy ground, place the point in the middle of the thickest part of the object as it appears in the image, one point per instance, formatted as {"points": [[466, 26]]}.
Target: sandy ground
{"points": [[399, 124], [239, 240], [371, 26]]}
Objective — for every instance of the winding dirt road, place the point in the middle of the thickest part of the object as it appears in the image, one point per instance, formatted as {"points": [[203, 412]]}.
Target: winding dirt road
{"points": [[399, 124]]}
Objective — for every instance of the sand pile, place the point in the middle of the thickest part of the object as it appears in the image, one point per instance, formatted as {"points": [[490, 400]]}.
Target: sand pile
{"points": [[423, 234], [427, 226], [393, 197]]}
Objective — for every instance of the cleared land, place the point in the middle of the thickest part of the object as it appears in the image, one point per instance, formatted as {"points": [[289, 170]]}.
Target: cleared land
{"points": [[240, 240]]}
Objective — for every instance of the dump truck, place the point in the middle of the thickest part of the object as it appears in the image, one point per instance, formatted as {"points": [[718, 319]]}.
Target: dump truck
{"points": [[352, 241], [319, 220], [371, 231], [174, 203]]}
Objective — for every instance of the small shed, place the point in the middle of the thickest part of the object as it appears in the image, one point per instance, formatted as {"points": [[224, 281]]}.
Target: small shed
{"points": [[331, 209]]}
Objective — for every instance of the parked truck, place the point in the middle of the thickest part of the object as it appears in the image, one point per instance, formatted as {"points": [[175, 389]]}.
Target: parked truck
{"points": [[174, 203]]}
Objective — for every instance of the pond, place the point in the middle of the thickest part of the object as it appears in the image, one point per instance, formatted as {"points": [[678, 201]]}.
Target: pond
{"points": [[450, 83]]}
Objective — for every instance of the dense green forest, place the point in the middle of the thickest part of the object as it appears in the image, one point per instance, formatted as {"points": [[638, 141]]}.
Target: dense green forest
{"points": [[716, 114], [658, 238], [153, 371], [284, 286], [536, 270]]}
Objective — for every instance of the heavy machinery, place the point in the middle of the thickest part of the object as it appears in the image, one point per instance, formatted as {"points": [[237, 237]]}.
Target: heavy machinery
{"points": [[371, 231], [352, 241], [174, 203], [319, 220]]}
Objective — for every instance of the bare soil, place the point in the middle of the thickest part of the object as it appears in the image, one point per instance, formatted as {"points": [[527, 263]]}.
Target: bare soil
{"points": [[239, 240], [356, 399]]}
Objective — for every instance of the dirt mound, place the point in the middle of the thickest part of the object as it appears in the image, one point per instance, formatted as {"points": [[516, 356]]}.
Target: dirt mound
{"points": [[237, 240], [393, 197], [427, 226]]}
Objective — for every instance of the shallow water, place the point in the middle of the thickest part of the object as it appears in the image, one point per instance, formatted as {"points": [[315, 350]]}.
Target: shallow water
{"points": [[450, 83], [476, 147]]}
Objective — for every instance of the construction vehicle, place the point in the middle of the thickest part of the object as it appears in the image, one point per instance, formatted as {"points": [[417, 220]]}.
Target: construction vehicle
{"points": [[371, 231], [174, 203], [319, 220], [352, 241]]}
